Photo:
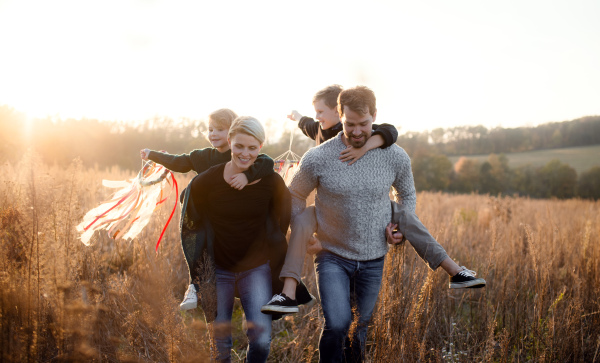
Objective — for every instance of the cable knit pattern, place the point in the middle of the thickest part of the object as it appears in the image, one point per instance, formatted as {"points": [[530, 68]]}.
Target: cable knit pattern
{"points": [[352, 201]]}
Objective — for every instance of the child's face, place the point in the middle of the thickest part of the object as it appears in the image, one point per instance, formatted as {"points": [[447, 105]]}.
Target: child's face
{"points": [[217, 135], [327, 117]]}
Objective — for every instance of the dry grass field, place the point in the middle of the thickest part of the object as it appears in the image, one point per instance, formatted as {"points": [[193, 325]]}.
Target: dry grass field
{"points": [[117, 301]]}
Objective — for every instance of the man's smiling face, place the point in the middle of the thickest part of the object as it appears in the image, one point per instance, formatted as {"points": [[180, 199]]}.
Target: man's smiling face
{"points": [[357, 127]]}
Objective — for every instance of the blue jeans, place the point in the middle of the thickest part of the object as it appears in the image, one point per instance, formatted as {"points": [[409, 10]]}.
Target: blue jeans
{"points": [[254, 290], [344, 284]]}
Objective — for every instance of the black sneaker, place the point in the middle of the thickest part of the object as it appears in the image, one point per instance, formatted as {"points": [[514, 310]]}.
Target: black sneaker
{"points": [[303, 296], [466, 278], [280, 303]]}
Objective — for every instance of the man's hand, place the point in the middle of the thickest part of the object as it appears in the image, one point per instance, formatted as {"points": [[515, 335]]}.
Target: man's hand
{"points": [[144, 153], [313, 246], [352, 154], [393, 238], [294, 116], [238, 181]]}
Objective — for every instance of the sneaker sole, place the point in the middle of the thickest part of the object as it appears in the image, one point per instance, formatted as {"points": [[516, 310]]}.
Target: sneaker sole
{"points": [[279, 309], [309, 303], [474, 284], [188, 306]]}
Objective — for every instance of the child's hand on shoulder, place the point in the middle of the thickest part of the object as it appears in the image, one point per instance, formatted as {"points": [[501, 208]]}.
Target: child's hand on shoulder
{"points": [[352, 154], [238, 181]]}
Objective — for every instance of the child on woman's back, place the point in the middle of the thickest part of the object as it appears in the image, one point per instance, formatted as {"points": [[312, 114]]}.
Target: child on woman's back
{"points": [[200, 160]]}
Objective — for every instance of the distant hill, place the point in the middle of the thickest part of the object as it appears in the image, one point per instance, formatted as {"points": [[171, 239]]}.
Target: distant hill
{"points": [[580, 158], [479, 140]]}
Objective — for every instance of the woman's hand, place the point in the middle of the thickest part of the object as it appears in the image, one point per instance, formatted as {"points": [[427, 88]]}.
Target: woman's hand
{"points": [[238, 181], [352, 154], [313, 246], [144, 153], [393, 238]]}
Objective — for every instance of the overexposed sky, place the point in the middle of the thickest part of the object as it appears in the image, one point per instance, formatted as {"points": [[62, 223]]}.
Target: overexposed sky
{"points": [[431, 63]]}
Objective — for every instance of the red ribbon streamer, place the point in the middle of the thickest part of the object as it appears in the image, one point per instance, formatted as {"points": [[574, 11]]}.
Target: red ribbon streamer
{"points": [[172, 212]]}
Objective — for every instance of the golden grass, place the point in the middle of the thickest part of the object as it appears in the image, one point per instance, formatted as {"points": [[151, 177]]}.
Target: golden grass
{"points": [[118, 301]]}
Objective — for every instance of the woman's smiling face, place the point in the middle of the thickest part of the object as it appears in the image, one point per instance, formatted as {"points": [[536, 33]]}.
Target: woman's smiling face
{"points": [[244, 150]]}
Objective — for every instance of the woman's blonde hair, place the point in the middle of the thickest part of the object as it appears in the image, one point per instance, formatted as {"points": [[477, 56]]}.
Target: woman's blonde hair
{"points": [[222, 117], [247, 125]]}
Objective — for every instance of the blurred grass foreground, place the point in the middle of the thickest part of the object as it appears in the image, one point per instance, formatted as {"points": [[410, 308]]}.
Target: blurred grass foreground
{"points": [[117, 301]]}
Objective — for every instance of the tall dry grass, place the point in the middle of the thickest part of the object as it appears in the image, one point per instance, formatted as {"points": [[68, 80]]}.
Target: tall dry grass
{"points": [[118, 301]]}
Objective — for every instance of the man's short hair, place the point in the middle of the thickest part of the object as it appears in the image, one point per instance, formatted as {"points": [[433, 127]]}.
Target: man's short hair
{"points": [[359, 99], [329, 95], [222, 117]]}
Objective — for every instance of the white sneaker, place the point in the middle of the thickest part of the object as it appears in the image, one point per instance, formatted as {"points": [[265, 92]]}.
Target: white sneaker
{"points": [[190, 301]]}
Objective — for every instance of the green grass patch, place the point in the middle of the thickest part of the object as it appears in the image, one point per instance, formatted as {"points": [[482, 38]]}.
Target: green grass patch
{"points": [[581, 158]]}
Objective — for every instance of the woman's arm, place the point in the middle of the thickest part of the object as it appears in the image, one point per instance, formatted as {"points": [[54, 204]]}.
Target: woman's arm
{"points": [[282, 204]]}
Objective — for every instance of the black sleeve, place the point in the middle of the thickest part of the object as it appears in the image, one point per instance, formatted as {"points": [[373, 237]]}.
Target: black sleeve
{"points": [[282, 204], [388, 132], [199, 187], [262, 167], [179, 163], [309, 127]]}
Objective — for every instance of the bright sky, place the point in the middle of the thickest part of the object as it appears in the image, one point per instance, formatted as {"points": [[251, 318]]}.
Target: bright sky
{"points": [[431, 63]]}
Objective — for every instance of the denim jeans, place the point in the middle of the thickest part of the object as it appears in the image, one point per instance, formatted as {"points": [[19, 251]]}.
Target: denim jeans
{"points": [[254, 290], [344, 284]]}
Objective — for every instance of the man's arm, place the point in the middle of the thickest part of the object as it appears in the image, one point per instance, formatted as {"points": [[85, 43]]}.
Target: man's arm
{"points": [[305, 180], [404, 184]]}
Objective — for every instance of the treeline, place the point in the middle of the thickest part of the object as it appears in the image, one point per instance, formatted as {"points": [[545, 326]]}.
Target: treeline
{"points": [[105, 144], [474, 140], [435, 172]]}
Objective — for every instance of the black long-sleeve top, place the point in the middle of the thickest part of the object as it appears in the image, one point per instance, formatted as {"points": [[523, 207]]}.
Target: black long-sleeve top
{"points": [[239, 217], [200, 160], [312, 129]]}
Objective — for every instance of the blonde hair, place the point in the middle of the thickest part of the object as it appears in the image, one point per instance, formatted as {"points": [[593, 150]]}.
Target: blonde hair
{"points": [[222, 117], [247, 125]]}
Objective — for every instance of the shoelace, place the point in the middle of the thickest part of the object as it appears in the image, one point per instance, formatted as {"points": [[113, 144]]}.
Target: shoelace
{"points": [[466, 272], [277, 297]]}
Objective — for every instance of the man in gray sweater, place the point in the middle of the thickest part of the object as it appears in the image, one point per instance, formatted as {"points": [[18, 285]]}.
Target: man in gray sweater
{"points": [[353, 216]]}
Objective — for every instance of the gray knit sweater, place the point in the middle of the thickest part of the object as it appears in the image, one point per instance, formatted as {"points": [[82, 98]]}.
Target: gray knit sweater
{"points": [[352, 201]]}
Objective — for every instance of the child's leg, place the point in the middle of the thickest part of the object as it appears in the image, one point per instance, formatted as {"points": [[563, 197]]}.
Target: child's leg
{"points": [[430, 250], [422, 241], [303, 228]]}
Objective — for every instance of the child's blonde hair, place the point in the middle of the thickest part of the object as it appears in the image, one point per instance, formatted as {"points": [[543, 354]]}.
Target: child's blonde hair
{"points": [[222, 117], [247, 125]]}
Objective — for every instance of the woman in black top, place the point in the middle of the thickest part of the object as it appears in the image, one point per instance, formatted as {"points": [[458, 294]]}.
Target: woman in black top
{"points": [[243, 240]]}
